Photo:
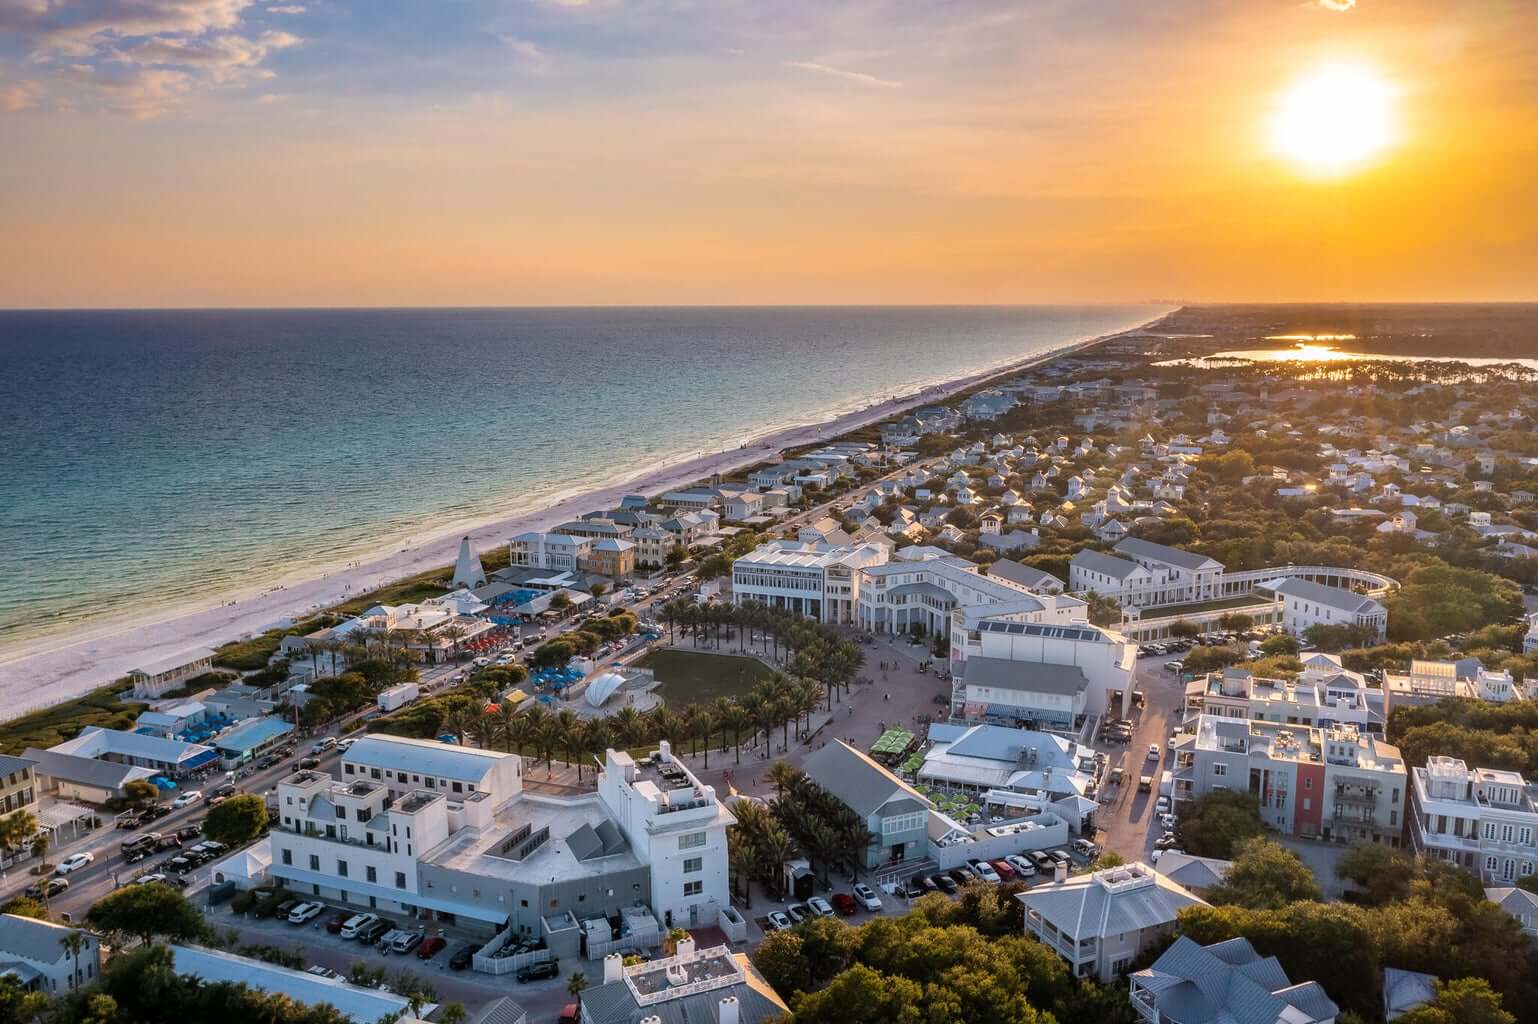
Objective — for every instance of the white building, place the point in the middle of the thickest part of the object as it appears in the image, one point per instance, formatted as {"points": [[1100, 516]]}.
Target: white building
{"points": [[32, 952], [359, 1004], [1315, 698], [1048, 674], [154, 678], [1119, 579], [1101, 922], [427, 830], [925, 591], [820, 581], [1183, 576], [552, 551], [1306, 603], [1482, 819], [1530, 639]]}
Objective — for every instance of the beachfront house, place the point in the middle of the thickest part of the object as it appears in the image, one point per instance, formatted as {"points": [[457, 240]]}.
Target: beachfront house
{"points": [[154, 678]]}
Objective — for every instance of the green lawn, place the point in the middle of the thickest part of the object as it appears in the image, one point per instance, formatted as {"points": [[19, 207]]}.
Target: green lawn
{"points": [[1239, 601], [688, 677]]}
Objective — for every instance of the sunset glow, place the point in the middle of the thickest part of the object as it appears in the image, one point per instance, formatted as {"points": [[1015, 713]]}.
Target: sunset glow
{"points": [[1334, 119]]}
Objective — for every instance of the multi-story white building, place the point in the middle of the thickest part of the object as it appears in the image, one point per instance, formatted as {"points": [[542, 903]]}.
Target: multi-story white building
{"points": [[1314, 699], [820, 581], [1338, 783], [1482, 819], [1530, 638], [1119, 579], [1181, 576], [1101, 922], [1048, 674], [923, 595], [558, 552], [1306, 603], [427, 830]]}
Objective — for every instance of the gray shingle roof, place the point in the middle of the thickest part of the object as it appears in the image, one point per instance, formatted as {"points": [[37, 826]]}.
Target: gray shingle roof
{"points": [[85, 771], [1106, 565], [1027, 676], [1105, 903], [860, 783], [1188, 560], [1229, 983], [1333, 597], [1024, 575], [30, 939]]}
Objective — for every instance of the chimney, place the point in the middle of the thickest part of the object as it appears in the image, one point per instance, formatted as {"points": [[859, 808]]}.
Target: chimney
{"points": [[613, 968], [1060, 872], [727, 1013], [684, 947]]}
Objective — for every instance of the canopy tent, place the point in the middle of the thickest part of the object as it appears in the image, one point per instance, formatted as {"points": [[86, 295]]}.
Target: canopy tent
{"points": [[892, 742]]}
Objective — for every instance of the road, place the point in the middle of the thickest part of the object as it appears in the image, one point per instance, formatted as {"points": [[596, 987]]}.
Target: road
{"points": [[1125, 822]]}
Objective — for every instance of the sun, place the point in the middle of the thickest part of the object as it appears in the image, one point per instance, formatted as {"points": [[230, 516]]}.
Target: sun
{"points": [[1334, 120]]}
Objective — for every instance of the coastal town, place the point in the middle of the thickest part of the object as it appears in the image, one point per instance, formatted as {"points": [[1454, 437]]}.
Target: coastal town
{"points": [[1145, 683]]}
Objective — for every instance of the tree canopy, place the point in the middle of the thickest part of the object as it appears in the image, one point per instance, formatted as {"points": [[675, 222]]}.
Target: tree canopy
{"points": [[1216, 824], [1266, 875], [237, 820], [148, 911]]}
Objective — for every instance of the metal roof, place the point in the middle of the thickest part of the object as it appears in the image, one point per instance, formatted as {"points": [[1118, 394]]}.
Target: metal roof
{"points": [[31, 939], [86, 771], [1333, 597], [363, 1005], [1188, 560], [1025, 676], [1229, 983], [249, 735], [1106, 565], [424, 757], [860, 783]]}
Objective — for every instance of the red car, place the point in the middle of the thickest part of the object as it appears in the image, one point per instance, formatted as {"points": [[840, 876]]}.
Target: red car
{"points": [[334, 926], [843, 903], [430, 947], [1006, 872]]}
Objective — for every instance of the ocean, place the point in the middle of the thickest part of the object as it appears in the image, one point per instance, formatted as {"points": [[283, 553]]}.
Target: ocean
{"points": [[152, 458]]}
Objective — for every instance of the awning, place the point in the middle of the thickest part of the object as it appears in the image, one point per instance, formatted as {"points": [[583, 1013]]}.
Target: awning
{"points": [[61, 812], [201, 758]]}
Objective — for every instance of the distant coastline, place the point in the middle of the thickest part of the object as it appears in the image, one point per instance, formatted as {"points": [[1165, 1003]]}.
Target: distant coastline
{"points": [[97, 652]]}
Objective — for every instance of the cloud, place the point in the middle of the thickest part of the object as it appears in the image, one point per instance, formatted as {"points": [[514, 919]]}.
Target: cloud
{"points": [[287, 9], [1334, 5], [859, 77], [22, 95], [140, 57], [526, 52]]}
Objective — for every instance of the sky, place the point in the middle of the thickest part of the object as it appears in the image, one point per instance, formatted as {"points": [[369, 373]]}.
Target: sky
{"points": [[158, 153]]}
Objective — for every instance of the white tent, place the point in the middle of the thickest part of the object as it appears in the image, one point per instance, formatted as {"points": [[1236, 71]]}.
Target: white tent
{"points": [[604, 687]]}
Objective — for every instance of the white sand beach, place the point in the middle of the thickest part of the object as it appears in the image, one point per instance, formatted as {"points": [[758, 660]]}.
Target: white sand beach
{"points": [[54, 669]]}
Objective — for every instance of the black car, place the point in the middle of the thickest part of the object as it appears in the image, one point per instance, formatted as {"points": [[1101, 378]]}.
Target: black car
{"points": [[268, 761], [155, 811], [913, 889], [946, 883], [539, 971], [187, 832], [960, 876], [463, 956], [930, 885]]}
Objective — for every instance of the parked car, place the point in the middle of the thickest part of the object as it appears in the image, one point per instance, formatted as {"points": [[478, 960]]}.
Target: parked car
{"points": [[45, 889], [961, 876], [1023, 868], [798, 912], [309, 762], [285, 908], [1041, 860], [778, 921], [913, 888], [1162, 805], [342, 746], [338, 920], [357, 924], [320, 971], [1153, 751], [153, 876], [1084, 848], [844, 904], [189, 832], [1167, 822], [1168, 841], [405, 942], [1004, 868], [304, 912], [374, 931], [323, 744], [154, 812], [268, 761], [539, 971], [187, 796], [74, 862], [930, 885], [984, 870], [867, 897], [463, 956], [430, 947], [820, 906], [945, 883]]}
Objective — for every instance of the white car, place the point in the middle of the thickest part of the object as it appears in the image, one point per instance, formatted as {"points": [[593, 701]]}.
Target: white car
{"points": [[74, 862], [1153, 751], [188, 796], [1023, 868], [146, 879], [343, 745], [820, 906], [304, 912], [1167, 822], [867, 897], [778, 921], [1162, 805], [984, 870]]}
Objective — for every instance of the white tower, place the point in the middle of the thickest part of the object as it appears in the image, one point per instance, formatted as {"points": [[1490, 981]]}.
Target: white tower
{"points": [[467, 568]]}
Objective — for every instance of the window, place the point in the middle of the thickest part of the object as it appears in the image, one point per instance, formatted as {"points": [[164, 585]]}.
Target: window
{"points": [[1308, 783], [341, 812], [693, 840], [370, 873], [1219, 769], [459, 787], [341, 868], [693, 865], [314, 862], [400, 879], [346, 769], [288, 857], [693, 888]]}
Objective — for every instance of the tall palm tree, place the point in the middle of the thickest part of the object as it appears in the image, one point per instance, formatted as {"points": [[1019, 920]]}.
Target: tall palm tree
{"points": [[784, 777], [509, 725], [461, 722], [704, 728], [773, 852], [453, 633], [689, 725], [569, 733], [74, 943], [630, 727], [735, 717], [600, 737], [740, 859], [666, 725]]}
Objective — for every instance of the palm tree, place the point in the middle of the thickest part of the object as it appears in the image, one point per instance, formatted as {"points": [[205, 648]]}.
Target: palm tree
{"points": [[74, 943], [785, 708], [740, 858], [689, 725], [569, 735], [510, 725], [773, 852], [854, 841], [785, 778], [453, 633], [600, 737], [736, 718], [576, 983], [630, 727], [666, 725], [704, 727]]}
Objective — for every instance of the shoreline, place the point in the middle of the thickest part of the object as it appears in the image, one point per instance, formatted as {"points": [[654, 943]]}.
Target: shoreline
{"points": [[66, 667]]}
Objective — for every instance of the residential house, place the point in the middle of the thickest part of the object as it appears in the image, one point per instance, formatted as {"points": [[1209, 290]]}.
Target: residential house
{"points": [[1306, 604], [32, 951], [1482, 819], [1225, 983]]}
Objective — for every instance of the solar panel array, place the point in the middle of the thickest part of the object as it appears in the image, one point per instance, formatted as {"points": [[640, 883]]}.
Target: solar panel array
{"points": [[1038, 629]]}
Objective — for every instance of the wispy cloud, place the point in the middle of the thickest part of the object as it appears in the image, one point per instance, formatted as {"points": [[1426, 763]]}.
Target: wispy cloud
{"points": [[287, 9], [1334, 5], [858, 77], [22, 95], [138, 57]]}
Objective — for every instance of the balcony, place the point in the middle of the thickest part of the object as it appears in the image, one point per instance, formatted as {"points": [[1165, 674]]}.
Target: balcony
{"points": [[1357, 797], [358, 837]]}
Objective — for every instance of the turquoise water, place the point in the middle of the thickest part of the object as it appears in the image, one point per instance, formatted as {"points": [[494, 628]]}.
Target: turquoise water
{"points": [[152, 458]]}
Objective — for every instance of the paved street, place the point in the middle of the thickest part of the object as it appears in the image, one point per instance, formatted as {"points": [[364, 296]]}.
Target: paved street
{"points": [[1127, 822]]}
